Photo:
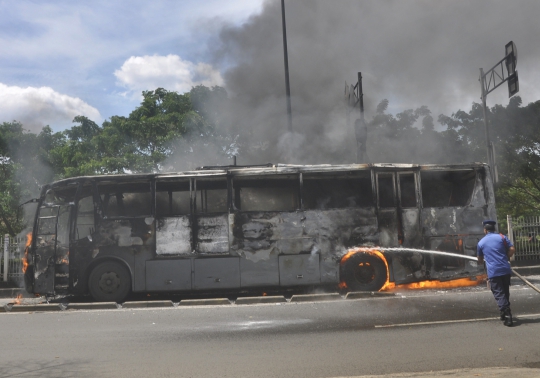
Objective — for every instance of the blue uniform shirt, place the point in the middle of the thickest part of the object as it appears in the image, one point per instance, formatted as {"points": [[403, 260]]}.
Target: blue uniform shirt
{"points": [[494, 251]]}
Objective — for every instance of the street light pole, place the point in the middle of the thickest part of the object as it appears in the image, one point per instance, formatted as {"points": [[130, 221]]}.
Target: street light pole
{"points": [[286, 59], [491, 80], [486, 124]]}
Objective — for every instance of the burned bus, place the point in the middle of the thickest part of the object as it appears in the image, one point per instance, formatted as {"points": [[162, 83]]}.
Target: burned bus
{"points": [[242, 229]]}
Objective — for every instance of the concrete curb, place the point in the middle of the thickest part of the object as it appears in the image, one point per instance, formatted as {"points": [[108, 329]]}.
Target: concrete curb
{"points": [[30, 308], [146, 304], [316, 297], [57, 307], [257, 300], [92, 306], [204, 302]]}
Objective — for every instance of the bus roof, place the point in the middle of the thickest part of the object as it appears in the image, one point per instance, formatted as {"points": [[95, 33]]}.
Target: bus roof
{"points": [[266, 169]]}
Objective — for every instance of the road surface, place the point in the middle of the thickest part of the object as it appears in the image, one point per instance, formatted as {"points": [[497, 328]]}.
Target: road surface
{"points": [[411, 332]]}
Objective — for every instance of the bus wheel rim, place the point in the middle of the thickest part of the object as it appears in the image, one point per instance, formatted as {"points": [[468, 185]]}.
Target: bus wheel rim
{"points": [[364, 273], [109, 282]]}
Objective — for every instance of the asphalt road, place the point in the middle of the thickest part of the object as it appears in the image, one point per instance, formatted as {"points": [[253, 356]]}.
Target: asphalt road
{"points": [[412, 332]]}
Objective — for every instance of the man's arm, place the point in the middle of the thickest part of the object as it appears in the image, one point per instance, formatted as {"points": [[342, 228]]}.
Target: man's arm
{"points": [[510, 252], [481, 259]]}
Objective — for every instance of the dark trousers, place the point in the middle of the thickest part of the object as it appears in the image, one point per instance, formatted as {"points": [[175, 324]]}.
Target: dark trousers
{"points": [[500, 287]]}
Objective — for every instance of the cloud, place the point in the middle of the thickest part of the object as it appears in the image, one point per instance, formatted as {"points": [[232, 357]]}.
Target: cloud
{"points": [[171, 72], [38, 107]]}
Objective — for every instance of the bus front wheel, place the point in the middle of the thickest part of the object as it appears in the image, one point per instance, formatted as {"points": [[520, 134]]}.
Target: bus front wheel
{"points": [[110, 282], [364, 272]]}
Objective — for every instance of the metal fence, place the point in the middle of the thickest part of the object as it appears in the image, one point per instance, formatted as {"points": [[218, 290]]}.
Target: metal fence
{"points": [[524, 232], [11, 260]]}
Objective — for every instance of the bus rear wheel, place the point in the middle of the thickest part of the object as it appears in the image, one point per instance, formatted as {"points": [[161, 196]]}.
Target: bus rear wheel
{"points": [[109, 282], [364, 272]]}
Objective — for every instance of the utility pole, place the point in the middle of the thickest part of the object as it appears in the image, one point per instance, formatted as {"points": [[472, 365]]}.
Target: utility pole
{"points": [[491, 80], [286, 59], [355, 96]]}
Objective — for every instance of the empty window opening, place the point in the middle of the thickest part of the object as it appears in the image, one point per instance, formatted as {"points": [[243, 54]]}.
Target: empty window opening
{"points": [[337, 192], [267, 194], [85, 217], [126, 200], [211, 196], [173, 198], [447, 188], [386, 190], [407, 190]]}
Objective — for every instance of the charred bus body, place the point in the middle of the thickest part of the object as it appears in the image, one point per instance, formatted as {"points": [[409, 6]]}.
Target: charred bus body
{"points": [[249, 228]]}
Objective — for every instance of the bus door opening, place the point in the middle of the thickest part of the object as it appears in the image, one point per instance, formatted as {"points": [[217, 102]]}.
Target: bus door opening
{"points": [[398, 209], [51, 255]]}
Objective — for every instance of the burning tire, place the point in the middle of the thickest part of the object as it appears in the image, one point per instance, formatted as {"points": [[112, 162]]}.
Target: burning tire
{"points": [[110, 281], [364, 272]]}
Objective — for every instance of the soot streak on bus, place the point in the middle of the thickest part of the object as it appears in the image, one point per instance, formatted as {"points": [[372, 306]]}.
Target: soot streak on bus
{"points": [[221, 229]]}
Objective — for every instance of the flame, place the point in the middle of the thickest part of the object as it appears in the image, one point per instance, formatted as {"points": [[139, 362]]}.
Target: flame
{"points": [[63, 260], [387, 285], [17, 300], [427, 284], [26, 249], [436, 284]]}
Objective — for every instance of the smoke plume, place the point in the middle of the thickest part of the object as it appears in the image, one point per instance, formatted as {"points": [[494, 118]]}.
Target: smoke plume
{"points": [[412, 53]]}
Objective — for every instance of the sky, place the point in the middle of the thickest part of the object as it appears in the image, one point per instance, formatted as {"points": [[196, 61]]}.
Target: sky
{"points": [[61, 58]]}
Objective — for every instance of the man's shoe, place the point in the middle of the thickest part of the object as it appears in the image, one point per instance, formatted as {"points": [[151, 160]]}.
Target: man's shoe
{"points": [[508, 321], [503, 316]]}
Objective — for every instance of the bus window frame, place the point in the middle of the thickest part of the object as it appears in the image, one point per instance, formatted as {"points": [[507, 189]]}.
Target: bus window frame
{"points": [[360, 174], [194, 193], [449, 170], [103, 209], [392, 175], [417, 193], [235, 190], [171, 214]]}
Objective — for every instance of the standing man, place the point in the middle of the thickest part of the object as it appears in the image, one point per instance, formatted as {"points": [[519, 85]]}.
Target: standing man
{"points": [[495, 249]]}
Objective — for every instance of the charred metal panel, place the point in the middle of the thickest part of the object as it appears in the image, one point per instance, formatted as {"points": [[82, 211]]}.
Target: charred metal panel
{"points": [[216, 273], [337, 230], [130, 240], [44, 269], [260, 273], [452, 220], [257, 235], [212, 234], [409, 267], [173, 236], [299, 270], [329, 266], [412, 234], [388, 227], [139, 256], [168, 275], [478, 198]]}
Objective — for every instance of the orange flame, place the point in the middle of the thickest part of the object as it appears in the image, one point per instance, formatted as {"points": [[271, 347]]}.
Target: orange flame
{"points": [[17, 300], [427, 284], [26, 249], [387, 285], [436, 284]]}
